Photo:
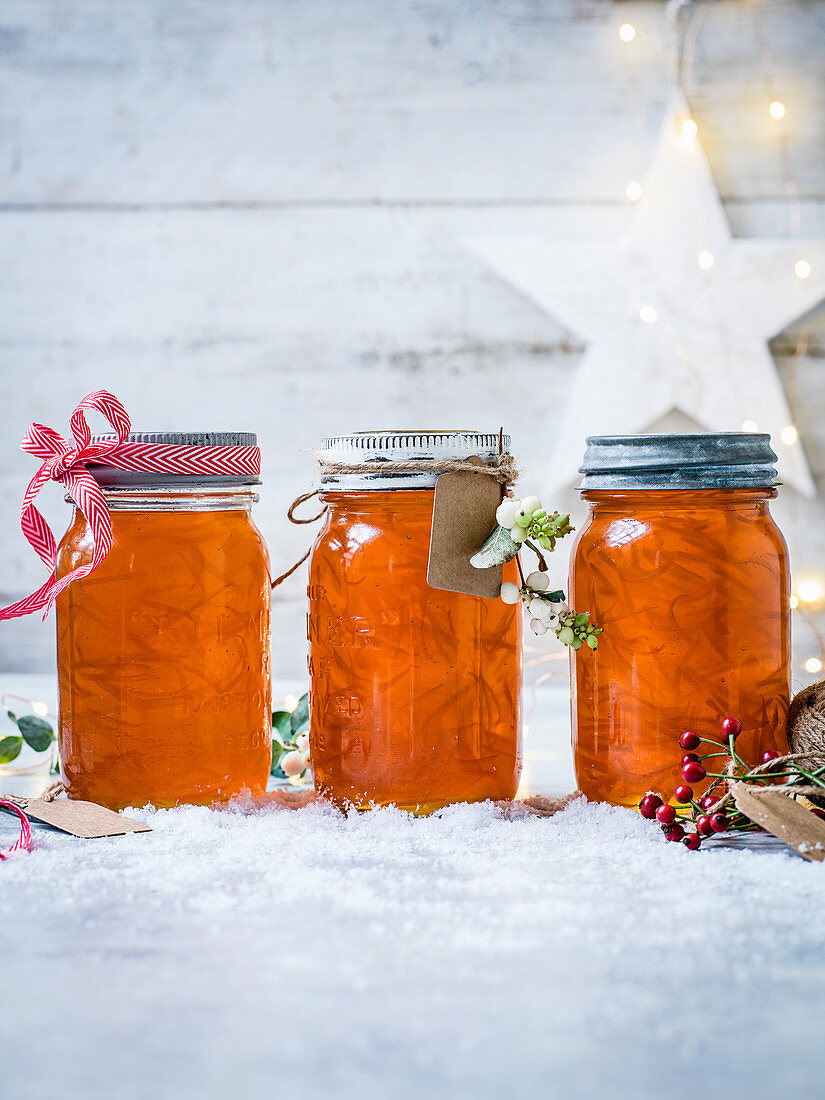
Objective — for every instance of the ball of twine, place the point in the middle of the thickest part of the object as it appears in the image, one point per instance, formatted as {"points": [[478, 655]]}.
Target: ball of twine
{"points": [[806, 725]]}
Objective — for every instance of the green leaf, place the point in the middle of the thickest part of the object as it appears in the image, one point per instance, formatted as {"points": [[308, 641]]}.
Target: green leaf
{"points": [[37, 733], [300, 716], [281, 726], [498, 549], [556, 597], [10, 748]]}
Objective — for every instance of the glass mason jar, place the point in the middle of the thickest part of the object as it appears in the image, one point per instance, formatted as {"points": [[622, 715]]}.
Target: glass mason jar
{"points": [[163, 651], [415, 692], [682, 564]]}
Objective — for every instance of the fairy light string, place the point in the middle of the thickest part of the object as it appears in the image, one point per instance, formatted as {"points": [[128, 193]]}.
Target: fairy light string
{"points": [[684, 20]]}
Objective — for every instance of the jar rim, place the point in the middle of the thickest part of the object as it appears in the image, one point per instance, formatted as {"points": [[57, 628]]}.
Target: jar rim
{"points": [[180, 498], [421, 446]]}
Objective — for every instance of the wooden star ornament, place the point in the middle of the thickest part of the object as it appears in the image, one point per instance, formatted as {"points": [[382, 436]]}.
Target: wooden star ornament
{"points": [[675, 315]]}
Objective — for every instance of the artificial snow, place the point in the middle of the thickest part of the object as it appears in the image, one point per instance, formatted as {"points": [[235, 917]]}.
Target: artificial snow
{"points": [[302, 953]]}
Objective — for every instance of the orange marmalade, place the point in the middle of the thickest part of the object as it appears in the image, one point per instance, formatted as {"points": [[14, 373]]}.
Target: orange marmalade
{"points": [[692, 588], [415, 696], [164, 651]]}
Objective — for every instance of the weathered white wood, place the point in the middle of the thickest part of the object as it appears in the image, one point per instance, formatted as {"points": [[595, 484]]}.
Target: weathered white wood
{"points": [[144, 101]]}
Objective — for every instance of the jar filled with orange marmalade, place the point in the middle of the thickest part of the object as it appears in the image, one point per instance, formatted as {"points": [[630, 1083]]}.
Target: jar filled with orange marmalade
{"points": [[164, 650], [415, 691], [683, 565]]}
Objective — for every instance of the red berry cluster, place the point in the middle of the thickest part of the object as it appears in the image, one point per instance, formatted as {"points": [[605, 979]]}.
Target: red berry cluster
{"points": [[700, 812]]}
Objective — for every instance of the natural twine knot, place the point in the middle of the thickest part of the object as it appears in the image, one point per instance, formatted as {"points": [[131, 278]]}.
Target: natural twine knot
{"points": [[503, 468]]}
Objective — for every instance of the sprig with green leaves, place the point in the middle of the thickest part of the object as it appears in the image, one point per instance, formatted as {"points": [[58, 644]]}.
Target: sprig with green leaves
{"points": [[290, 742], [35, 732], [525, 523]]}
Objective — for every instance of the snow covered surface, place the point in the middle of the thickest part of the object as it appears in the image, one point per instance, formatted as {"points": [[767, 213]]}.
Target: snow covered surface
{"points": [[307, 954]]}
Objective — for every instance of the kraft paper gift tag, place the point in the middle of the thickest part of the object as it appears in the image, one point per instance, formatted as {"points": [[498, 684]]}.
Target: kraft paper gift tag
{"points": [[83, 819], [464, 514], [782, 816]]}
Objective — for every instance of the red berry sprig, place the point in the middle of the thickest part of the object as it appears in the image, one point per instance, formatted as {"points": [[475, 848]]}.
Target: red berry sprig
{"points": [[715, 812]]}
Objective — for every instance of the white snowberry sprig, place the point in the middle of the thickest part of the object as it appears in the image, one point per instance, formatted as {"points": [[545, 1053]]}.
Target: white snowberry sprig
{"points": [[526, 523], [548, 611], [526, 519], [290, 742]]}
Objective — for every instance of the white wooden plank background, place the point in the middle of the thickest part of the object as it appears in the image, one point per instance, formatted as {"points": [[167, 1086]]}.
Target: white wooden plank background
{"points": [[250, 213]]}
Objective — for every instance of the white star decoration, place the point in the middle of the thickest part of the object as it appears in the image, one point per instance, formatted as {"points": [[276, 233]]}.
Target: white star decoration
{"points": [[676, 315]]}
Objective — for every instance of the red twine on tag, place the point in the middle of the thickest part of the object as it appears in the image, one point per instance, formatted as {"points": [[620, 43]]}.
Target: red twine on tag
{"points": [[66, 464], [24, 841]]}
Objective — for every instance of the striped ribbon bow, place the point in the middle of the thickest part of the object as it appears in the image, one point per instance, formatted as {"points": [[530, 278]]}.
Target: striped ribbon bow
{"points": [[24, 840], [67, 464]]}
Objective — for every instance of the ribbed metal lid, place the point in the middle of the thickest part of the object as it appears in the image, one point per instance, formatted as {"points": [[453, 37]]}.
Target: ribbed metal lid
{"points": [[704, 460], [108, 477], [402, 446]]}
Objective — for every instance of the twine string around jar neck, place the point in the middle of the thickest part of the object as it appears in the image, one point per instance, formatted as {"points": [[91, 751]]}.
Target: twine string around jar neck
{"points": [[503, 468]]}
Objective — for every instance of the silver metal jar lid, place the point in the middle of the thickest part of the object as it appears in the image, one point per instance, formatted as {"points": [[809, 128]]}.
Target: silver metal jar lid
{"points": [[109, 477], [412, 446], [704, 460]]}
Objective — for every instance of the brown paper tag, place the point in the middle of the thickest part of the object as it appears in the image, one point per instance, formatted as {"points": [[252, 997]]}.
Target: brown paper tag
{"points": [[85, 819], [783, 817], [464, 514]]}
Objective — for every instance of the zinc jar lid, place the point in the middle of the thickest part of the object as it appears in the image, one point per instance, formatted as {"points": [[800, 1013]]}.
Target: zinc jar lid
{"points": [[704, 460], [411, 446], [109, 477]]}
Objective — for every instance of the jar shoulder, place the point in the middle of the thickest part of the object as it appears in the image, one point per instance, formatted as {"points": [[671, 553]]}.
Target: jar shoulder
{"points": [[146, 536], [725, 532]]}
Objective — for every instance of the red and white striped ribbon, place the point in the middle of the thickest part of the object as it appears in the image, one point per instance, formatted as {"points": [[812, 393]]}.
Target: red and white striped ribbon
{"points": [[24, 841], [67, 464]]}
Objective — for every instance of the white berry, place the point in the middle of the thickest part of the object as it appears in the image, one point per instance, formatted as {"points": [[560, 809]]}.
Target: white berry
{"points": [[518, 534], [540, 609], [293, 763], [531, 504], [302, 743], [506, 512], [538, 627], [538, 581], [510, 593]]}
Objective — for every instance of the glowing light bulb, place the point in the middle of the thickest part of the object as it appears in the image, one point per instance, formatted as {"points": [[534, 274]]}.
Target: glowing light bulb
{"points": [[810, 591], [627, 32], [813, 664], [777, 110], [649, 315], [41, 709], [291, 702], [689, 128], [634, 191], [794, 602], [802, 269], [705, 260], [750, 426], [789, 435]]}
